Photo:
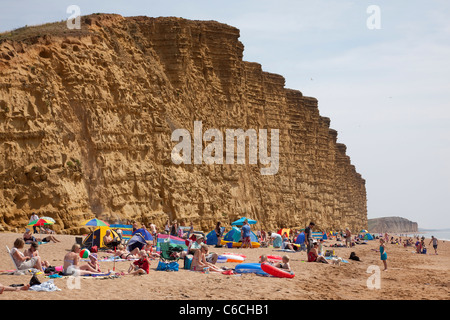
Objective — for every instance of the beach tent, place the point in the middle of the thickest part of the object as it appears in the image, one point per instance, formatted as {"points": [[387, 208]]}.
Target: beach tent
{"points": [[283, 231], [136, 241], [368, 236], [145, 234], [211, 238], [96, 237], [300, 238], [240, 222], [234, 235]]}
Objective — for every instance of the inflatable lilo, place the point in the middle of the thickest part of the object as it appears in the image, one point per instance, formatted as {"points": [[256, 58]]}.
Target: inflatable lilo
{"points": [[276, 272]]}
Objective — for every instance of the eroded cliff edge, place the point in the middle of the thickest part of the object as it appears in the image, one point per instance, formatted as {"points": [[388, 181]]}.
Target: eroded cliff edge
{"points": [[86, 118]]}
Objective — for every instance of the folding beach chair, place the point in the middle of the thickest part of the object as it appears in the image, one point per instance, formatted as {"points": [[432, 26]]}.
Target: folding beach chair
{"points": [[12, 259], [169, 256]]}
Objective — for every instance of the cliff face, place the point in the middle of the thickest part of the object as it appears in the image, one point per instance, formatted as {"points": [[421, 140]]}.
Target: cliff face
{"points": [[392, 224], [86, 119]]}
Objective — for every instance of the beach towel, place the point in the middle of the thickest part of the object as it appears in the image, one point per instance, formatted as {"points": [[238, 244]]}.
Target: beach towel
{"points": [[47, 286], [331, 258]]}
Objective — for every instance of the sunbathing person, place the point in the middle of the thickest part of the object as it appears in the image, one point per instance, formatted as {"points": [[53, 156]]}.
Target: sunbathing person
{"points": [[93, 263], [32, 251], [149, 249], [9, 288], [109, 241], [24, 262], [313, 255], [71, 261], [199, 260], [29, 238], [123, 253]]}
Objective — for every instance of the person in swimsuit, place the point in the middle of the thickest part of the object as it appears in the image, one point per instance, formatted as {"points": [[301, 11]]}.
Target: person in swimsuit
{"points": [[71, 267], [29, 238], [435, 243], [383, 254], [32, 251], [199, 260], [9, 288], [313, 255], [284, 264], [123, 253]]}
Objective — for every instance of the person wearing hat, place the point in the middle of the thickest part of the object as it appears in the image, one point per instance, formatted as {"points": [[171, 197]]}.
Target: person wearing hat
{"points": [[93, 262], [196, 244]]}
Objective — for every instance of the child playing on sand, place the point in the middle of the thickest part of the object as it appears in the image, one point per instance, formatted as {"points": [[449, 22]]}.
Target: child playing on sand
{"points": [[93, 262], [141, 266]]}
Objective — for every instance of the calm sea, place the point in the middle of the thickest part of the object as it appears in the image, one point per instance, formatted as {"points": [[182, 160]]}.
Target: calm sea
{"points": [[439, 234], [443, 234]]}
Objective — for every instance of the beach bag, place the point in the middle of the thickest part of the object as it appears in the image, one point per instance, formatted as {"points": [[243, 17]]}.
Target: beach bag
{"points": [[49, 269], [167, 266], [34, 281], [187, 263]]}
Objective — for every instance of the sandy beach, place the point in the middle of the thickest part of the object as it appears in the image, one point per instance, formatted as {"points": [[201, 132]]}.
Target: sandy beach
{"points": [[410, 276]]}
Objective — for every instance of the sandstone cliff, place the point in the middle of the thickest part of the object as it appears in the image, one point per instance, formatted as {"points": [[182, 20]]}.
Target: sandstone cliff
{"points": [[86, 118], [392, 224]]}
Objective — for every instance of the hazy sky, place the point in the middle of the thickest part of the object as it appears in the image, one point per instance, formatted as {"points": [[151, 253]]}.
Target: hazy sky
{"points": [[386, 90]]}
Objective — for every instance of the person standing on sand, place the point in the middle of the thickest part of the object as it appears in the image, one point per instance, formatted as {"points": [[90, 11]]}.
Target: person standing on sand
{"points": [[435, 244], [348, 238], [308, 237], [383, 254], [34, 217], [245, 233]]}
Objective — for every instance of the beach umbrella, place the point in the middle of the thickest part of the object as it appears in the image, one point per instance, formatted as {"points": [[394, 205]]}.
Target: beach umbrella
{"points": [[49, 219], [40, 222], [240, 222], [95, 223], [363, 231]]}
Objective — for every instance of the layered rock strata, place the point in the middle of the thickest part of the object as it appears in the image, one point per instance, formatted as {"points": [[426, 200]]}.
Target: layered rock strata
{"points": [[86, 118]]}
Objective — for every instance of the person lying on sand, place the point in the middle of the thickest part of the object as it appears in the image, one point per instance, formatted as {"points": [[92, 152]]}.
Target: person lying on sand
{"points": [[123, 253], [29, 238], [9, 288]]}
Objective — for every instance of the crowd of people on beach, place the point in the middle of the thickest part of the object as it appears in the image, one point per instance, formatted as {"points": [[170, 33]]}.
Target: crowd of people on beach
{"points": [[198, 254]]}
